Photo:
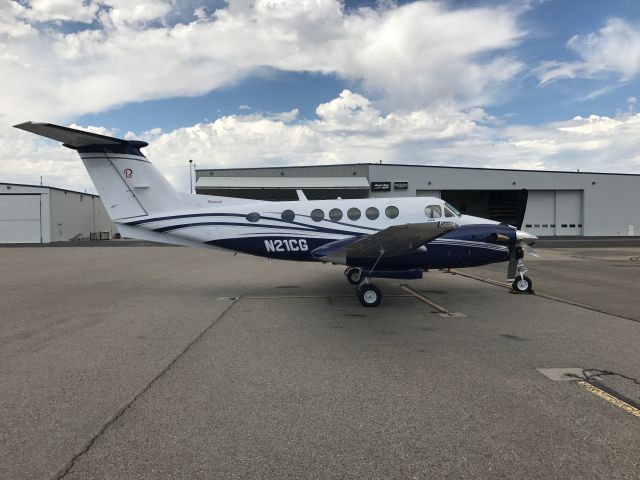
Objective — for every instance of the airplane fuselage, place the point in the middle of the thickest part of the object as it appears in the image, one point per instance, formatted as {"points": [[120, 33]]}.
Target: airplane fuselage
{"points": [[295, 230]]}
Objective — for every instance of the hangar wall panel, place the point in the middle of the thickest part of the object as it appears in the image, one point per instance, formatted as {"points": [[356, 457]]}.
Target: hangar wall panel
{"points": [[74, 214], [20, 218]]}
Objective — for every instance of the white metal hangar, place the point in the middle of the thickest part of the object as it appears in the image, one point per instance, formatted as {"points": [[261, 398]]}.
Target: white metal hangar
{"points": [[40, 214], [558, 204]]}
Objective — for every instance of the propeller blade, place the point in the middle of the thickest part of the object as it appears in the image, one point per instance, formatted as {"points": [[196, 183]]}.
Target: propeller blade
{"points": [[530, 250], [523, 196]]}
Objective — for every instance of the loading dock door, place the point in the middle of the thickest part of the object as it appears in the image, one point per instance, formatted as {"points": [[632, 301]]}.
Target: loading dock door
{"points": [[20, 218], [569, 212]]}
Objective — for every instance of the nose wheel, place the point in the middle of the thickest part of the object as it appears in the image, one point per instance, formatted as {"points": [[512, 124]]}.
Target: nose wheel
{"points": [[522, 284], [368, 294]]}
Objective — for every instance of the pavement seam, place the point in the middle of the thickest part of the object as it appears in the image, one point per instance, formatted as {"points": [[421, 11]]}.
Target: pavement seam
{"points": [[424, 299], [67, 469]]}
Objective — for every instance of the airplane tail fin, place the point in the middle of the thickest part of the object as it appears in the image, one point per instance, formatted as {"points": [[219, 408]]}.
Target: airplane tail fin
{"points": [[129, 185]]}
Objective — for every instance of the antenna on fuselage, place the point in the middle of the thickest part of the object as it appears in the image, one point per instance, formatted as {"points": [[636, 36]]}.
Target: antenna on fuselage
{"points": [[301, 195]]}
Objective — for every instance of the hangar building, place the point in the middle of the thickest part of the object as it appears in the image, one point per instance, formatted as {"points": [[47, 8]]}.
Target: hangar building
{"points": [[39, 214], [559, 203]]}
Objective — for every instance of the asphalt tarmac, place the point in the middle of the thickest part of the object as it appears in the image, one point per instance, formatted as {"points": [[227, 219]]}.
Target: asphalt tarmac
{"points": [[163, 362]]}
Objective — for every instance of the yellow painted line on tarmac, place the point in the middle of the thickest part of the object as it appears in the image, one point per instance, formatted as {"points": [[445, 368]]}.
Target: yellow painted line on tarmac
{"points": [[424, 299], [610, 398]]}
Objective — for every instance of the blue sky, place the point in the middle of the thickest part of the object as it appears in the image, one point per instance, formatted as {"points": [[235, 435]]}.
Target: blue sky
{"points": [[549, 25], [263, 82]]}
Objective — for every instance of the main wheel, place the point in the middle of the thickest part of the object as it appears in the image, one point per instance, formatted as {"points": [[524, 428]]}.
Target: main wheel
{"points": [[369, 295], [353, 275], [522, 284]]}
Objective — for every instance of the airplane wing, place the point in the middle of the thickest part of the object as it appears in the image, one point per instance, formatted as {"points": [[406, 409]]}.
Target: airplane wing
{"points": [[392, 241]]}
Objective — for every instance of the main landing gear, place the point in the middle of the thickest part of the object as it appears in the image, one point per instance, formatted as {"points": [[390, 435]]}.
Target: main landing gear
{"points": [[352, 274], [368, 294]]}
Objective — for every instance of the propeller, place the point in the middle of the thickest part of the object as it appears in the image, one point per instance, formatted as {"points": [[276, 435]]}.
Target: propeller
{"points": [[515, 254], [523, 241], [523, 197]]}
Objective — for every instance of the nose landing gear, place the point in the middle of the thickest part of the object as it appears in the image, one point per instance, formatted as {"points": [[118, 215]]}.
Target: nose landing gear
{"points": [[521, 283]]}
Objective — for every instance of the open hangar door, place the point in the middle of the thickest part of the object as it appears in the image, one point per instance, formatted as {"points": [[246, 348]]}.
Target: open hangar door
{"points": [[20, 218], [504, 206]]}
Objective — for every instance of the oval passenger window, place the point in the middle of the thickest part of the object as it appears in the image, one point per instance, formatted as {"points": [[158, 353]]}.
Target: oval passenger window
{"points": [[288, 216], [335, 214], [391, 211], [353, 213], [317, 215], [372, 213], [253, 217]]}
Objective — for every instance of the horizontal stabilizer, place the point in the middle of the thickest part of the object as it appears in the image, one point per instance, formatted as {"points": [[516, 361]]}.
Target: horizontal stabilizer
{"points": [[72, 138]]}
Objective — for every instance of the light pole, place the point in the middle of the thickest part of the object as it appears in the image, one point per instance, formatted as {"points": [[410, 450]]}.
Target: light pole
{"points": [[190, 177]]}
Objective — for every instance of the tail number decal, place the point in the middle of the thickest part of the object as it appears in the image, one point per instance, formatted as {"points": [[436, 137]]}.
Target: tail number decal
{"points": [[290, 245]]}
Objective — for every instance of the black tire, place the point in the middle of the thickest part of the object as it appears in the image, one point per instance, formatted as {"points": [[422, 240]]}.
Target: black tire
{"points": [[522, 284], [353, 275], [369, 295]]}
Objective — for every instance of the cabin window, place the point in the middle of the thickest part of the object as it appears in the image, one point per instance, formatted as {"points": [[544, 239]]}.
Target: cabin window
{"points": [[317, 215], [354, 213], [453, 209], [448, 213], [288, 216], [253, 217], [372, 213], [335, 214], [391, 211], [433, 211]]}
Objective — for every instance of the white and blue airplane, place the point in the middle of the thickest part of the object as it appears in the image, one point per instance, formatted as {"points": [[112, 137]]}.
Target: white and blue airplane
{"points": [[395, 238]]}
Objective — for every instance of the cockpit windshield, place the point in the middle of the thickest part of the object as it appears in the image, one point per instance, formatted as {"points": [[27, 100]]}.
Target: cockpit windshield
{"points": [[450, 211]]}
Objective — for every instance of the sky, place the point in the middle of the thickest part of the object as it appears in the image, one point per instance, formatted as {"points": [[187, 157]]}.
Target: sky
{"points": [[525, 84]]}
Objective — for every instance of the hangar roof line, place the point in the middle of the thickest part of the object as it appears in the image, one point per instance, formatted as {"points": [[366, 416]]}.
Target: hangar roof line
{"points": [[285, 167], [47, 186], [284, 182]]}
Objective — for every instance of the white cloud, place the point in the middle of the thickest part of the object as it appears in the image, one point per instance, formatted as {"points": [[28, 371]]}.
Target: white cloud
{"points": [[417, 55], [350, 130], [12, 24], [614, 48], [61, 10]]}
